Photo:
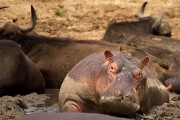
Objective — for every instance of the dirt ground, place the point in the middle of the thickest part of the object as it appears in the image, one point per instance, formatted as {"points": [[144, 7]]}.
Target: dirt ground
{"points": [[88, 19]]}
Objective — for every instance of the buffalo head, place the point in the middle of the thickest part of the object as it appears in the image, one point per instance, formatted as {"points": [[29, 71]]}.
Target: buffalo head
{"points": [[159, 27], [11, 30]]}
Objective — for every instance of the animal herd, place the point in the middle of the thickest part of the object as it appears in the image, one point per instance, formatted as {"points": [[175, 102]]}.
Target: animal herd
{"points": [[118, 75]]}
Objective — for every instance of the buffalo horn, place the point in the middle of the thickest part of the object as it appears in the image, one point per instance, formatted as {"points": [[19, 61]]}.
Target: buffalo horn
{"points": [[140, 13], [32, 22]]}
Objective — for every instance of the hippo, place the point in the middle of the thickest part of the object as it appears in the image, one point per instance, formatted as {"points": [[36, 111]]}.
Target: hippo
{"points": [[113, 83], [69, 116]]}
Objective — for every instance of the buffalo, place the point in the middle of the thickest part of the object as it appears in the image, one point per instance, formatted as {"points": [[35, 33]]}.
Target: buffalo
{"points": [[18, 74], [54, 57], [144, 25]]}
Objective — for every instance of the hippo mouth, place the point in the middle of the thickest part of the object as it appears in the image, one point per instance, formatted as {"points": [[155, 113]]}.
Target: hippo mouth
{"points": [[118, 106]]}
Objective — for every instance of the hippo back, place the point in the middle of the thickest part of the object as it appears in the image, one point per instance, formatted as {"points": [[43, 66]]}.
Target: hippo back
{"points": [[70, 116]]}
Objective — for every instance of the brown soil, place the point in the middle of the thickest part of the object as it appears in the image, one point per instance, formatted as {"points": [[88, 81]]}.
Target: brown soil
{"points": [[85, 19]]}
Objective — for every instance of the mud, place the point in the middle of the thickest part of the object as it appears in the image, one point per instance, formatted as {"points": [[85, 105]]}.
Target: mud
{"points": [[82, 19]]}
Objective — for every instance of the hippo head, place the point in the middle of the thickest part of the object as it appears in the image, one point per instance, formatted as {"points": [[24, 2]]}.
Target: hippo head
{"points": [[121, 83], [11, 30]]}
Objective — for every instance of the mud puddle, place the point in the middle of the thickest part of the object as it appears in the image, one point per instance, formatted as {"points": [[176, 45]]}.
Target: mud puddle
{"points": [[48, 103], [17, 106]]}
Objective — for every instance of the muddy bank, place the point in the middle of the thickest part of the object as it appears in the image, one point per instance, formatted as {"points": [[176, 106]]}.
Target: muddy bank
{"points": [[18, 106]]}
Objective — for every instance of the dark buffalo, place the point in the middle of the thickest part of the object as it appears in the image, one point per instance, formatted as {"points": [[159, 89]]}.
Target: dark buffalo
{"points": [[144, 25], [54, 57], [10, 30], [18, 74], [173, 84], [114, 83]]}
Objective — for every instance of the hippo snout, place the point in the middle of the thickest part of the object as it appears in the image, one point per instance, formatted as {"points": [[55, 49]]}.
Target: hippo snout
{"points": [[129, 96], [125, 103], [118, 105]]}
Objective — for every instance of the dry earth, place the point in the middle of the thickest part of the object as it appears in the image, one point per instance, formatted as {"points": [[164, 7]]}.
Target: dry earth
{"points": [[84, 19]]}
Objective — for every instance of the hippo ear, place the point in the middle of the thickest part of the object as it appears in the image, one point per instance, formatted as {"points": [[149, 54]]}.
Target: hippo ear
{"points": [[144, 61], [108, 54]]}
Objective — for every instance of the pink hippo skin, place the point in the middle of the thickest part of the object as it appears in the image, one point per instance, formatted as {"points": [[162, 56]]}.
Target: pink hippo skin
{"points": [[111, 83]]}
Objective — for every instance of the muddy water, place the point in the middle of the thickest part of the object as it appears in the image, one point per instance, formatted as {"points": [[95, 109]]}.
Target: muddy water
{"points": [[175, 97], [52, 96], [48, 103]]}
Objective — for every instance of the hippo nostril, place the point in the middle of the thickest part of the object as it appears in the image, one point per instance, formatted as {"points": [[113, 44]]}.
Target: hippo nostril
{"points": [[130, 96]]}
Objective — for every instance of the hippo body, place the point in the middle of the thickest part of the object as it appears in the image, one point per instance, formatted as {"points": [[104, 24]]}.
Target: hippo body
{"points": [[18, 74], [69, 116], [113, 83]]}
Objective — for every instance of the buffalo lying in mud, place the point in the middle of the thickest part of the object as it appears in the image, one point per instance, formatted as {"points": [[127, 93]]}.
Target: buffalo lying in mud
{"points": [[144, 25], [112, 83], [18, 74], [173, 84], [54, 57]]}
